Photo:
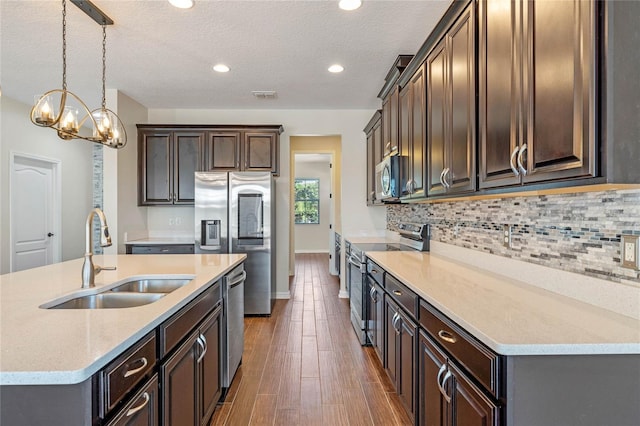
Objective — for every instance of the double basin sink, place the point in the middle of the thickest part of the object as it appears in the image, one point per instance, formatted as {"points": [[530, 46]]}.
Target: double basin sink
{"points": [[128, 294]]}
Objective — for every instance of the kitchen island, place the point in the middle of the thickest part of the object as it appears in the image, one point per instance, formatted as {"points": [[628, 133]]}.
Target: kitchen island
{"points": [[66, 349], [495, 350]]}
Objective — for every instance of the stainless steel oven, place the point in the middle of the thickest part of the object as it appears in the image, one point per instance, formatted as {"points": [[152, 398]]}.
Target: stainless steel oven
{"points": [[413, 237]]}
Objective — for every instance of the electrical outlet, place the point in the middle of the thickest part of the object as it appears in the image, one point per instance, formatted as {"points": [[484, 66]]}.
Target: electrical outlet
{"points": [[506, 236], [629, 251], [171, 221]]}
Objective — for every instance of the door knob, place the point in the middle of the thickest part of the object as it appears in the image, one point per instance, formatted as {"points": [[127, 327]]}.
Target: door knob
{"points": [[50, 234]]}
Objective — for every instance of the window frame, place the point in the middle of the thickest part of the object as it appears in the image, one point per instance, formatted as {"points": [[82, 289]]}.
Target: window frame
{"points": [[306, 200]]}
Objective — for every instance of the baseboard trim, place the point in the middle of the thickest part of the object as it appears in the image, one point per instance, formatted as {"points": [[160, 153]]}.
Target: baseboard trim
{"points": [[283, 295], [343, 294]]}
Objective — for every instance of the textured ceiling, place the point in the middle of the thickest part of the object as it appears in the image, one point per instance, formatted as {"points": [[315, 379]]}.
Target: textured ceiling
{"points": [[162, 56]]}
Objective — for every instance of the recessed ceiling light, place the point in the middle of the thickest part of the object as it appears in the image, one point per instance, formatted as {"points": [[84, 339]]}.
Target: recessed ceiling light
{"points": [[182, 4], [336, 68], [221, 68], [349, 4]]}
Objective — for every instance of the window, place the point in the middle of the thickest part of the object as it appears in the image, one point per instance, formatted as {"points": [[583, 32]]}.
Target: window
{"points": [[307, 203]]}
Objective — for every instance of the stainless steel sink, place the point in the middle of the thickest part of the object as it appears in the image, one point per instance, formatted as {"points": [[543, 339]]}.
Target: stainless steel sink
{"points": [[109, 300], [155, 285]]}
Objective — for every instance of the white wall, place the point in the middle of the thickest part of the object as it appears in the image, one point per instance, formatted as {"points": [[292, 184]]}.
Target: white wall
{"points": [[132, 219], [18, 134], [314, 238], [347, 123]]}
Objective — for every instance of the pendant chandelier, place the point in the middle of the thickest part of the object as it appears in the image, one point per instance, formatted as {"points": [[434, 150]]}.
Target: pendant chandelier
{"points": [[65, 112]]}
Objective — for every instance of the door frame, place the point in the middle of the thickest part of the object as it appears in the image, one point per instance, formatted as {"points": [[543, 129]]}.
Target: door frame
{"points": [[56, 205]]}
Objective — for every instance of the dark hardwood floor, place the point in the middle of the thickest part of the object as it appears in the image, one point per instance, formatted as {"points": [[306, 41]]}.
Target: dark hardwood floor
{"points": [[304, 364]]}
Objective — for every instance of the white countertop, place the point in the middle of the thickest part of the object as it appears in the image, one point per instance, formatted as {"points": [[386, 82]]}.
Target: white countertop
{"points": [[510, 317], [67, 346]]}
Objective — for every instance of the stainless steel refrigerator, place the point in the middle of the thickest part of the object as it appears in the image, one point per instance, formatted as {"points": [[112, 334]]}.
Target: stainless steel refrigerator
{"points": [[235, 213]]}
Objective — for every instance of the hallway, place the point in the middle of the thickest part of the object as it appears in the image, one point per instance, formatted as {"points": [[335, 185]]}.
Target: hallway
{"points": [[304, 364]]}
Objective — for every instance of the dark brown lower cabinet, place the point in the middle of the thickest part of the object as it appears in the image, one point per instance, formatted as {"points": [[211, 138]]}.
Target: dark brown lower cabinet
{"points": [[142, 409], [401, 350], [190, 378], [447, 396], [375, 317]]}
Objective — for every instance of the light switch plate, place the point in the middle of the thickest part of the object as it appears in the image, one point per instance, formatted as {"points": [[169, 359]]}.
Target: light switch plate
{"points": [[629, 251]]}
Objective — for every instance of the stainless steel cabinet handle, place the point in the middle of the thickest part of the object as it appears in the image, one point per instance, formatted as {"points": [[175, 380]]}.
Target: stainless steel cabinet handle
{"points": [[374, 271], [129, 373], [373, 294], [203, 345], [512, 160], [397, 292], [520, 154], [396, 318], [134, 410], [238, 279], [442, 178], [443, 368], [443, 391], [446, 336], [166, 250], [410, 186]]}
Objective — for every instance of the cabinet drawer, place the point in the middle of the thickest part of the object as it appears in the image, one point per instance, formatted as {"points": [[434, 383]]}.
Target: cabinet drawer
{"points": [[126, 371], [401, 294], [480, 362], [173, 331], [376, 272], [141, 409], [160, 249]]}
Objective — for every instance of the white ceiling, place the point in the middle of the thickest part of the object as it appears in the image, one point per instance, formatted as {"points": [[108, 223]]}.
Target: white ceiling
{"points": [[162, 56]]}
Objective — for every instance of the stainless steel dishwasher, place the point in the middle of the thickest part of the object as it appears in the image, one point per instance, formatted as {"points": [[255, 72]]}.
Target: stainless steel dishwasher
{"points": [[233, 323]]}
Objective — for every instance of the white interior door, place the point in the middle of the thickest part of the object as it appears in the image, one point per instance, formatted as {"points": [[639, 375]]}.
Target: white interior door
{"points": [[35, 212]]}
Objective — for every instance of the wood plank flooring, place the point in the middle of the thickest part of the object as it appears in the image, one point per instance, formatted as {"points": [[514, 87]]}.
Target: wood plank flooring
{"points": [[304, 364]]}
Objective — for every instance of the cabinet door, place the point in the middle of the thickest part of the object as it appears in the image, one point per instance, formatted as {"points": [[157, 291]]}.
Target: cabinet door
{"points": [[210, 366], [417, 151], [406, 383], [431, 365], [187, 160], [391, 146], [374, 144], [499, 92], [179, 385], [222, 151], [470, 406], [260, 152], [142, 408], [559, 89], [404, 119], [379, 323], [386, 127], [461, 174], [436, 118], [392, 339], [155, 178]]}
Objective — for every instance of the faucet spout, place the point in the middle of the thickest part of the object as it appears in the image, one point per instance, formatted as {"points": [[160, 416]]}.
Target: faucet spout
{"points": [[89, 270]]}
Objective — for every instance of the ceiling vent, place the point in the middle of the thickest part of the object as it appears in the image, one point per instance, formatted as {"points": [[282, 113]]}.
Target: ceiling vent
{"points": [[265, 94]]}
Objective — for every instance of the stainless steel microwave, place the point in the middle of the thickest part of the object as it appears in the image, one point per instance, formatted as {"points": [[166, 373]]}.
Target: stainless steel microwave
{"points": [[388, 178]]}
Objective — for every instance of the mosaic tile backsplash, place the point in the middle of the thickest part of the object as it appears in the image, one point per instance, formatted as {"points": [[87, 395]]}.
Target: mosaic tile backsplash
{"points": [[574, 232]]}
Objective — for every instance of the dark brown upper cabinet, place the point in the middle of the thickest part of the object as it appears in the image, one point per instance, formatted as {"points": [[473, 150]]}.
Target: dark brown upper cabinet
{"points": [[260, 151], [167, 161], [243, 148], [222, 151], [412, 118], [373, 130], [537, 91], [451, 111], [389, 95]]}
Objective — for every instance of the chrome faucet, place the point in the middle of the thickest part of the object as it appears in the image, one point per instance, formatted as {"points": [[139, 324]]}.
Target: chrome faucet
{"points": [[89, 270]]}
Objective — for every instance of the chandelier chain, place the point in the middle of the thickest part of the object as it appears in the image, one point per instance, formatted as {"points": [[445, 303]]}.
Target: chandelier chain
{"points": [[64, 44], [104, 64]]}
